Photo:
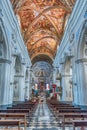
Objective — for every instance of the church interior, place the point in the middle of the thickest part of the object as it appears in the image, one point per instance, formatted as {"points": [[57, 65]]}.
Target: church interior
{"points": [[43, 64]]}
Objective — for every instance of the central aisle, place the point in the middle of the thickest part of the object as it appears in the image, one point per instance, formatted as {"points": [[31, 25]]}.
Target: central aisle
{"points": [[43, 119]]}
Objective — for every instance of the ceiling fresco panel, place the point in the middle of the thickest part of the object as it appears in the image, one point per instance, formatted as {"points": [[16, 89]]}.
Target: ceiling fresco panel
{"points": [[42, 25]]}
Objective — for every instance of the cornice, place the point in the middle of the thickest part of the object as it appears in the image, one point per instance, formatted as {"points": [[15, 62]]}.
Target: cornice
{"points": [[81, 60], [5, 61]]}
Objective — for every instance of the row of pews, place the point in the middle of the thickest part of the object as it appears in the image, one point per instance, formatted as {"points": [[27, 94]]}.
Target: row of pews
{"points": [[68, 115], [18, 116]]}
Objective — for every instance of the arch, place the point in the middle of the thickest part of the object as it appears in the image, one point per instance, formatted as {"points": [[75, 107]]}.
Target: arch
{"points": [[20, 4], [42, 57], [80, 44], [42, 53], [67, 66], [4, 60], [17, 79], [67, 80], [49, 36], [5, 40], [18, 66], [41, 29], [39, 48], [18, 19], [81, 64]]}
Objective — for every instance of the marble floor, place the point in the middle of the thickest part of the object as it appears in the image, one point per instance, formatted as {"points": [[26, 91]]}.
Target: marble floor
{"points": [[43, 119]]}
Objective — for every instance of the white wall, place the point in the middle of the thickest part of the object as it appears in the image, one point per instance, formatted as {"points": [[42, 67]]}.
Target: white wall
{"points": [[69, 49], [15, 47]]}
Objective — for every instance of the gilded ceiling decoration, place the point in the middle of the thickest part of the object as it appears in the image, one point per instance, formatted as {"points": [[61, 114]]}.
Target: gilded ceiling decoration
{"points": [[42, 24]]}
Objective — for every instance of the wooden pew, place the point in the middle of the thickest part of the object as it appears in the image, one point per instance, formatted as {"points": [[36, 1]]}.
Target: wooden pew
{"points": [[21, 116], [19, 107], [57, 110], [68, 117], [26, 111], [32, 108], [11, 123], [79, 123], [71, 111]]}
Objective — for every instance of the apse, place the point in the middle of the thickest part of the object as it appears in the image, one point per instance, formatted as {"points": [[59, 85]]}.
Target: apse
{"points": [[41, 71]]}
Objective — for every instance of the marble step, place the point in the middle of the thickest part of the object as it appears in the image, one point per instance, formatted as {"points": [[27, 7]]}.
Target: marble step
{"points": [[48, 128], [46, 122], [45, 129]]}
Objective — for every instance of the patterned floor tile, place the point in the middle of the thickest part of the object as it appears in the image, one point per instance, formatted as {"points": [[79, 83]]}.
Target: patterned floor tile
{"points": [[43, 119]]}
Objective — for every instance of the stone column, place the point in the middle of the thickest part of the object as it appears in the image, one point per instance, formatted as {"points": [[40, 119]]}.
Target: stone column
{"points": [[81, 74], [54, 75], [28, 83], [4, 81], [67, 88], [30, 80], [74, 82], [12, 73]]}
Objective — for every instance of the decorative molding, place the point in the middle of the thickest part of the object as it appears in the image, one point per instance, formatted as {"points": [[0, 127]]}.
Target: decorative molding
{"points": [[23, 62], [1, 36], [69, 54], [81, 60], [62, 60], [5, 61], [85, 15], [27, 67], [20, 76], [65, 75], [1, 14], [26, 81], [14, 37], [11, 83], [15, 52], [71, 37], [86, 39]]}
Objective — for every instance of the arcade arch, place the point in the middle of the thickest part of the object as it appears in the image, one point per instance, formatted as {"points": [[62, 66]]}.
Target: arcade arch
{"points": [[81, 66], [67, 77], [17, 79], [4, 65]]}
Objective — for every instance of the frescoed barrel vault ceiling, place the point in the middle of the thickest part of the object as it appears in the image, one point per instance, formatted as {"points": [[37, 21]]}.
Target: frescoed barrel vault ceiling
{"points": [[42, 25]]}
